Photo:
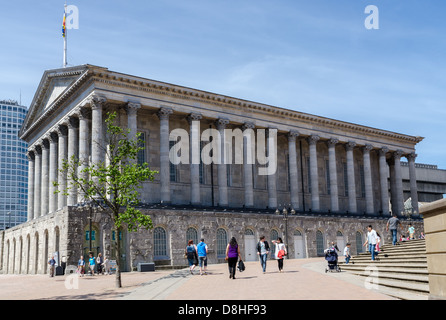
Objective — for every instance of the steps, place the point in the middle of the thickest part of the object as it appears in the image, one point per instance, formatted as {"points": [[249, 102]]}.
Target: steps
{"points": [[399, 271]]}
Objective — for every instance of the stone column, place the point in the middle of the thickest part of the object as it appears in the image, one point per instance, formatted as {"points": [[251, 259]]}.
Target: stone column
{"points": [[163, 115], [44, 209], [37, 181], [368, 179], [352, 208], [222, 169], [73, 151], [314, 175], [31, 168], [413, 183], [398, 182], [248, 161], [383, 181], [334, 195], [393, 197], [54, 153], [84, 135], [132, 120], [97, 148], [292, 162], [194, 147], [62, 131]]}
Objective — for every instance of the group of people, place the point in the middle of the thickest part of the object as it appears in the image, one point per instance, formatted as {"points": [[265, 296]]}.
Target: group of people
{"points": [[101, 264], [197, 255], [373, 238]]}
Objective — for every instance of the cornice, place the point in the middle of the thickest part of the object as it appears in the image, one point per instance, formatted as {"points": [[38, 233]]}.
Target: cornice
{"points": [[184, 93]]}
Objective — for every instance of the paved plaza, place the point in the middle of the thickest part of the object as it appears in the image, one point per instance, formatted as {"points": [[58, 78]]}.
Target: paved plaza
{"points": [[302, 279]]}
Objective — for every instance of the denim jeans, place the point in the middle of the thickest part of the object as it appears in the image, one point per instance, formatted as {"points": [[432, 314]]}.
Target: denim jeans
{"points": [[372, 250], [394, 236], [263, 258], [347, 259]]}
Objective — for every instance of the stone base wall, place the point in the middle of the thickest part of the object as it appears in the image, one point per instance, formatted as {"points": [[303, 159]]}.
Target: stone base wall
{"points": [[27, 247]]}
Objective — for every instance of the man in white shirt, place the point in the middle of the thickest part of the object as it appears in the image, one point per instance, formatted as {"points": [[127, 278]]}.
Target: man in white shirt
{"points": [[371, 241]]}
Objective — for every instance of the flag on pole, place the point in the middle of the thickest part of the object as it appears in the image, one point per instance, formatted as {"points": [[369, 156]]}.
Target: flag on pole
{"points": [[64, 29]]}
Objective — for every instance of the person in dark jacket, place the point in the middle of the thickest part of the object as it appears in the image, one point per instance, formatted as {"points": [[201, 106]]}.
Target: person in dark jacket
{"points": [[262, 251]]}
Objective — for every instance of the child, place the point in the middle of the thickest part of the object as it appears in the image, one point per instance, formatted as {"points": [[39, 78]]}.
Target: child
{"points": [[411, 231], [347, 253]]}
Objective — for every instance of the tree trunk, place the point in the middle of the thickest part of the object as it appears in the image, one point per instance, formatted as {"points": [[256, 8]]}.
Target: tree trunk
{"points": [[118, 257]]}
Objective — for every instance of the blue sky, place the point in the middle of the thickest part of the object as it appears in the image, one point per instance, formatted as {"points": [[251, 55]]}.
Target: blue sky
{"points": [[311, 56]]}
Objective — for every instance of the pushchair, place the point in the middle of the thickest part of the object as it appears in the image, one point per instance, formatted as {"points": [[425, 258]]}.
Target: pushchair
{"points": [[332, 259]]}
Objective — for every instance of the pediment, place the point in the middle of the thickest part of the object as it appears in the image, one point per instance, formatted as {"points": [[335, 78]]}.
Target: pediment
{"points": [[53, 89]]}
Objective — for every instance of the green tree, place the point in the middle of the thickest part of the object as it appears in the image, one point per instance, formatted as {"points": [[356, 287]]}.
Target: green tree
{"points": [[112, 185]]}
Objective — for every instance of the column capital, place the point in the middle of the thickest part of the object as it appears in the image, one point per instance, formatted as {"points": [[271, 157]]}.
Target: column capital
{"points": [[82, 113], [164, 112], [292, 135], [332, 142], [383, 151], [73, 122], [350, 145], [411, 156], [96, 101], [31, 156], [221, 123], [194, 117], [62, 129], [397, 154], [367, 148], [53, 137], [36, 149], [132, 107], [313, 139], [46, 142], [248, 125]]}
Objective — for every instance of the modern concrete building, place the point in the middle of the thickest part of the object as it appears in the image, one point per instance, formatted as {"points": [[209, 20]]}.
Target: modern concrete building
{"points": [[333, 178], [13, 165]]}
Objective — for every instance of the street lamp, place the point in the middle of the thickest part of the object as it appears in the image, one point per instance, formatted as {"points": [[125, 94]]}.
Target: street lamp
{"points": [[285, 218]]}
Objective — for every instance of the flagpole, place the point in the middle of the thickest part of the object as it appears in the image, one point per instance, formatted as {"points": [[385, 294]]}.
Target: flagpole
{"points": [[65, 41]]}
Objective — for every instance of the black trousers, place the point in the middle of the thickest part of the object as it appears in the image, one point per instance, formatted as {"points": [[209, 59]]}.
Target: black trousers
{"points": [[280, 263], [232, 264]]}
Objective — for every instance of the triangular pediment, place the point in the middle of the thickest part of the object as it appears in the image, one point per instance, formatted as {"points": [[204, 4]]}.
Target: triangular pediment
{"points": [[53, 88]]}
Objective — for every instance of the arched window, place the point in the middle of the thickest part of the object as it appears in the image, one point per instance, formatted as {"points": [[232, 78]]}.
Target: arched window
{"points": [[319, 243], [160, 244], [249, 232], [297, 233], [192, 234], [358, 242], [222, 242]]}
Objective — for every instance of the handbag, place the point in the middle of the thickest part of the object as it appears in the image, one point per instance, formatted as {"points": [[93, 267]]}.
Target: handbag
{"points": [[241, 266]]}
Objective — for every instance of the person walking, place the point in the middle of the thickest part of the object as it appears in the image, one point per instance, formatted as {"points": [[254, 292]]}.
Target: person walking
{"points": [[232, 255], [392, 224], [106, 266], [191, 255], [279, 252], [371, 241], [52, 264], [411, 231], [92, 263], [81, 266], [202, 251], [262, 251], [99, 262]]}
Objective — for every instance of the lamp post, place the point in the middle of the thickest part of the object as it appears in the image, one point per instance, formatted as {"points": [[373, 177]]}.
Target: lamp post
{"points": [[285, 218]]}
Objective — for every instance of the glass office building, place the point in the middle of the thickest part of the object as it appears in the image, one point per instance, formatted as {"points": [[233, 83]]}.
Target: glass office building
{"points": [[13, 165]]}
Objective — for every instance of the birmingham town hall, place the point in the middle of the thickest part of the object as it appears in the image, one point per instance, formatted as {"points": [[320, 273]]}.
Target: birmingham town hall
{"points": [[333, 178]]}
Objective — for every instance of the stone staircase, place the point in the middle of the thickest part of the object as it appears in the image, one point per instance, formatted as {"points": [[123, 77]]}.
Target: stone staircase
{"points": [[400, 271]]}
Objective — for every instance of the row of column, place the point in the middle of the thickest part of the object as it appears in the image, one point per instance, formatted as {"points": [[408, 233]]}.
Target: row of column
{"points": [[73, 138], [69, 139], [394, 164]]}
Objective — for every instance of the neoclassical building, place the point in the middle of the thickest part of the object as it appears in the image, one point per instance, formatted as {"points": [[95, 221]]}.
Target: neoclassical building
{"points": [[333, 178]]}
